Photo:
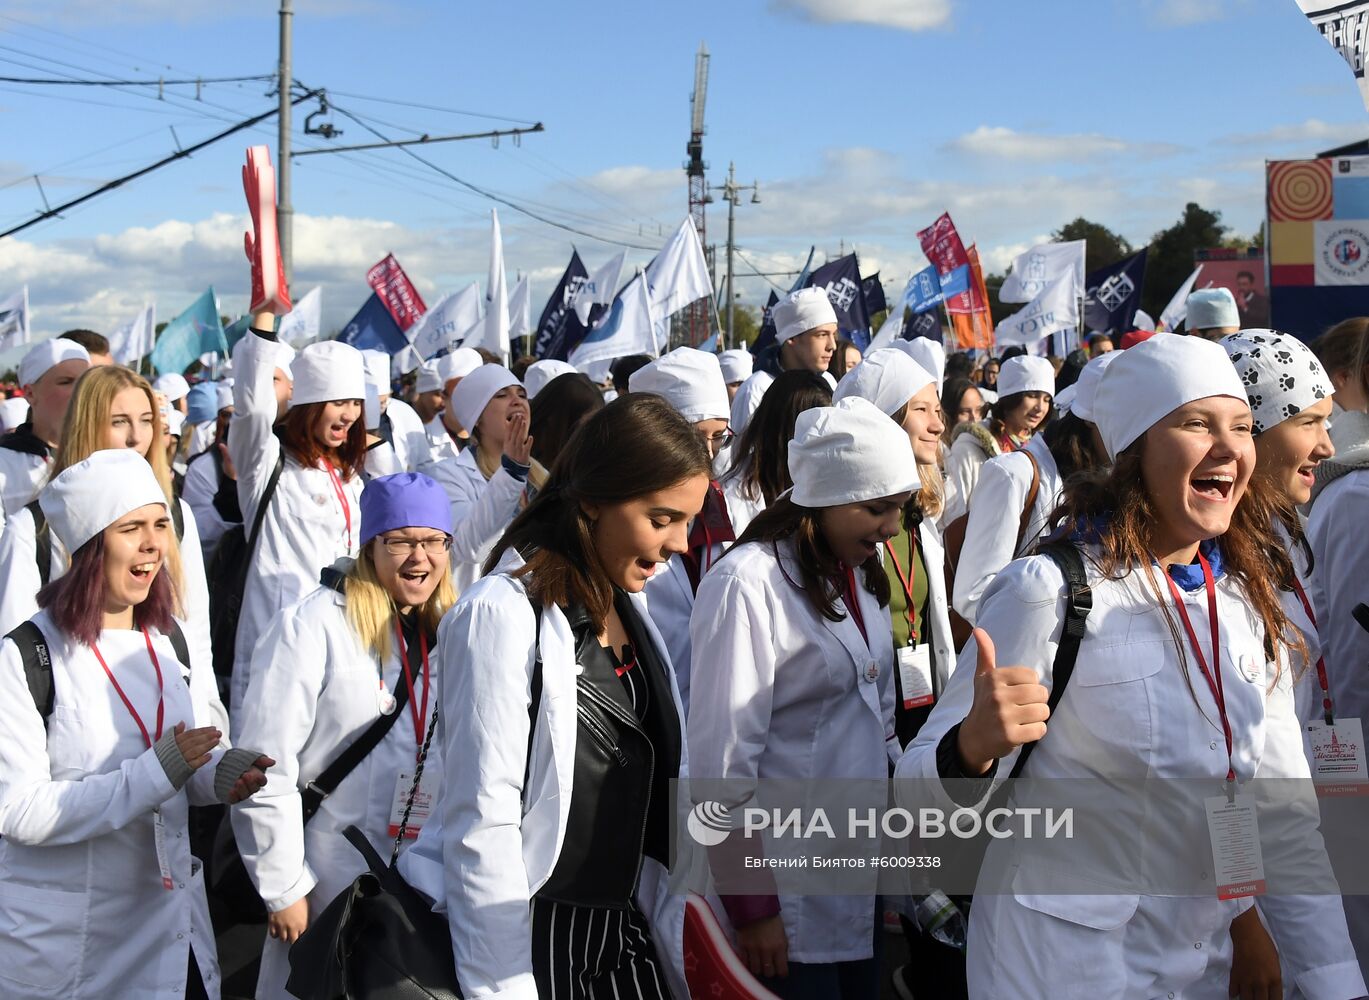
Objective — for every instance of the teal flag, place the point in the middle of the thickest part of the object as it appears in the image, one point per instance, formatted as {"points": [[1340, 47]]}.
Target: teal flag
{"points": [[195, 331], [236, 330]]}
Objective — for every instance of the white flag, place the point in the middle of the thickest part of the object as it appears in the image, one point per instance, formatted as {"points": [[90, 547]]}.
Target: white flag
{"points": [[493, 335], [625, 329], [448, 321], [1038, 267], [14, 319], [599, 288], [301, 324], [679, 273], [1055, 309], [1177, 309], [520, 310], [135, 339], [1342, 24], [889, 330]]}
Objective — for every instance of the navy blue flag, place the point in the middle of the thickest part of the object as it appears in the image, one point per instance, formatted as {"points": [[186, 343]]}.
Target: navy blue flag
{"points": [[560, 331], [873, 291], [841, 279], [373, 328], [766, 336], [924, 324], [1113, 294]]}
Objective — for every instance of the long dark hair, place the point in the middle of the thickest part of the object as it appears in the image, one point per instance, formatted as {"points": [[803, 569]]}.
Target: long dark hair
{"points": [[762, 460], [564, 403], [636, 445], [297, 437], [76, 599], [1117, 499], [1070, 440], [951, 396], [820, 572]]}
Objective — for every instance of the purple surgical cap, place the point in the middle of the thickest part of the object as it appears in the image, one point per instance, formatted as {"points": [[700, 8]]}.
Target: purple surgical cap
{"points": [[404, 500]]}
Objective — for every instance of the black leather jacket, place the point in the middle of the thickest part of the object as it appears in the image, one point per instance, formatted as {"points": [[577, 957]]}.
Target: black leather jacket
{"points": [[621, 798]]}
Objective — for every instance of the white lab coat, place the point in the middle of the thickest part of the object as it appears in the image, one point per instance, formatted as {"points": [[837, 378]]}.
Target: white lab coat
{"points": [[964, 460], [313, 693], [785, 693], [409, 436], [21, 477], [202, 437], [18, 600], [200, 488], [748, 399], [934, 558], [995, 514], [494, 840], [741, 509], [441, 447], [481, 510], [305, 528], [1340, 555], [1131, 713], [83, 914]]}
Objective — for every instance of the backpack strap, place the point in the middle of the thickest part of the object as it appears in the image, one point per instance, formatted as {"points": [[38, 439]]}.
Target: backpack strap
{"points": [[1032, 492], [42, 545], [33, 650], [177, 516], [1078, 604], [264, 504], [178, 643], [535, 692]]}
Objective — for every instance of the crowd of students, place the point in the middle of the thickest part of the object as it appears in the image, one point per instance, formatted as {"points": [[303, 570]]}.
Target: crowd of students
{"points": [[554, 597]]}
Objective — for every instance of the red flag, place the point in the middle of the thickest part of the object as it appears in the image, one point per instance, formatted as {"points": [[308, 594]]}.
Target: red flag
{"points": [[943, 247], [398, 293]]}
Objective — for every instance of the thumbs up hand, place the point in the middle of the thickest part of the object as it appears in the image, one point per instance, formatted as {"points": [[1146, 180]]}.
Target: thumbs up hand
{"points": [[1009, 710]]}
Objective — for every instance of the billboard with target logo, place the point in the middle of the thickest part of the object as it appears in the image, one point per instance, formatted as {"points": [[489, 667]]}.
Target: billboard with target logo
{"points": [[1318, 242]]}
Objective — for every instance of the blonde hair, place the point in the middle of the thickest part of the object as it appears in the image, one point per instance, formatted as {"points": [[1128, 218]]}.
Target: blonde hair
{"points": [[86, 431], [931, 495], [370, 609]]}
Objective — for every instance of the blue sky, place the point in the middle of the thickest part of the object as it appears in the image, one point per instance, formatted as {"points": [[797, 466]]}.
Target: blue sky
{"points": [[862, 120]]}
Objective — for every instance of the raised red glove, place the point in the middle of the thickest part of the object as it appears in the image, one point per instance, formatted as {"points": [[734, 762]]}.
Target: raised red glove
{"points": [[269, 290]]}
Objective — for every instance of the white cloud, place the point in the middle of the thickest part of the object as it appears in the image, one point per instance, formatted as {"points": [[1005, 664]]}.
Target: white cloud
{"points": [[1179, 13], [1313, 130], [998, 142], [906, 15]]}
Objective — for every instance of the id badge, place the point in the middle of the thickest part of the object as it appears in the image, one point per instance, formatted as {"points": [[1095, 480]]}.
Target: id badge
{"points": [[1233, 830], [423, 804], [915, 675], [1338, 766], [159, 838]]}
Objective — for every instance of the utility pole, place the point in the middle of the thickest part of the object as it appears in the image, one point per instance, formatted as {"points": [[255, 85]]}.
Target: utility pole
{"points": [[284, 212], [732, 195]]}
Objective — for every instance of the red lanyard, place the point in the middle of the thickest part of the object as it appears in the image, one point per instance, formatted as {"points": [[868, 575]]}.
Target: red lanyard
{"points": [[853, 604], [341, 499], [420, 716], [1326, 705], [907, 581], [161, 704], [1212, 675]]}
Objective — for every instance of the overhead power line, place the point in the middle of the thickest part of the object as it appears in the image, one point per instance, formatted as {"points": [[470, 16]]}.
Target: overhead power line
{"points": [[178, 155], [135, 83]]}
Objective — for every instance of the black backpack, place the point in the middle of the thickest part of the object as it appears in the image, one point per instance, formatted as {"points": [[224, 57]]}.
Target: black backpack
{"points": [[42, 548], [227, 578], [33, 651]]}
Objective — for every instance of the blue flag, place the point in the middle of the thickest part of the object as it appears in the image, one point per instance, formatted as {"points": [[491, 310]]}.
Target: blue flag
{"points": [[1113, 294], [373, 328], [236, 330], [195, 331], [765, 337], [840, 278], [560, 331]]}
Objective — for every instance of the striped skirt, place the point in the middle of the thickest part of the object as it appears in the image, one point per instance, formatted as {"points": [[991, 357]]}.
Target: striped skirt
{"points": [[589, 953]]}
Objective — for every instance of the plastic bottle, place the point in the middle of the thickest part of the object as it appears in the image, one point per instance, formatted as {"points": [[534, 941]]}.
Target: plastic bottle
{"points": [[938, 915]]}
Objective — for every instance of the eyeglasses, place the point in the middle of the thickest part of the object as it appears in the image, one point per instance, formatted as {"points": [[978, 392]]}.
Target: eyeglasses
{"points": [[405, 547], [720, 439]]}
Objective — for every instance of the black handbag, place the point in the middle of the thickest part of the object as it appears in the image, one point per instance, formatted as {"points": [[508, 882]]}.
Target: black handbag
{"points": [[379, 939]]}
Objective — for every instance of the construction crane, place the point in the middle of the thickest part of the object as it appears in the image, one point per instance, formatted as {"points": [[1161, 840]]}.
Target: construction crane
{"points": [[698, 316]]}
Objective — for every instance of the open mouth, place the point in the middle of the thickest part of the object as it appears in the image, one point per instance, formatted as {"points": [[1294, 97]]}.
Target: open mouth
{"points": [[647, 566], [143, 572], [413, 576], [1308, 474], [1216, 489], [868, 548]]}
